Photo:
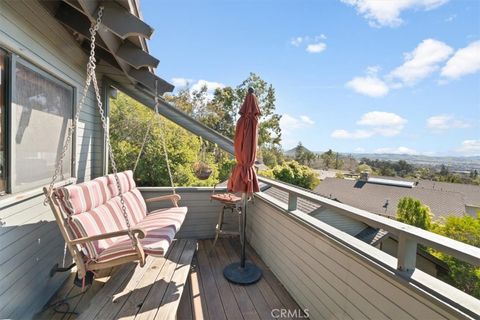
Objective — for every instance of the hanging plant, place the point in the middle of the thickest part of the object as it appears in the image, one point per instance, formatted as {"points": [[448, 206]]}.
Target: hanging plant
{"points": [[202, 169]]}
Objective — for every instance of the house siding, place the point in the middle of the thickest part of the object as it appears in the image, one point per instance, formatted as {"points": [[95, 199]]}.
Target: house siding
{"points": [[30, 241], [202, 214]]}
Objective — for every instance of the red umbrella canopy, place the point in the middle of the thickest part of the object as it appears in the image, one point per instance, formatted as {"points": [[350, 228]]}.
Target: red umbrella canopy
{"points": [[244, 178]]}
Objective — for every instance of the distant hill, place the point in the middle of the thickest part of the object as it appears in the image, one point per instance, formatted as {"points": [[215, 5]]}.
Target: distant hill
{"points": [[453, 163], [293, 151]]}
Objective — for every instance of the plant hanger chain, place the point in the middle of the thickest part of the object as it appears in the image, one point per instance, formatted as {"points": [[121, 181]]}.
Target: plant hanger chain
{"points": [[162, 138], [92, 78]]}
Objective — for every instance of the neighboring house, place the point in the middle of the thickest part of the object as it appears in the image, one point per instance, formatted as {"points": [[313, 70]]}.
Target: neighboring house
{"points": [[381, 195], [378, 238]]}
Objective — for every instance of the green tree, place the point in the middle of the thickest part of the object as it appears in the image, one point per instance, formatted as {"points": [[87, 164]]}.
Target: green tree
{"points": [[303, 155], [444, 170], [363, 168], [271, 156], [413, 212], [328, 158], [462, 275], [128, 122], [294, 173], [222, 112]]}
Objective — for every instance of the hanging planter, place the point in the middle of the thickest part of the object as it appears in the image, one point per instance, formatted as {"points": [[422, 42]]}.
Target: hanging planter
{"points": [[201, 168]]}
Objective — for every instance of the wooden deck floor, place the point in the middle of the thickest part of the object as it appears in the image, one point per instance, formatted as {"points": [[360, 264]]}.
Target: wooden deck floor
{"points": [[207, 295]]}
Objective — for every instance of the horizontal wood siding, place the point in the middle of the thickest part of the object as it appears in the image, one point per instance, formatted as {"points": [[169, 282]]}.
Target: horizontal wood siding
{"points": [[30, 242], [326, 278], [202, 213]]}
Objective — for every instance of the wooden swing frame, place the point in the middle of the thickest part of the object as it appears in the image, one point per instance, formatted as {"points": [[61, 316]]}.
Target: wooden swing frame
{"points": [[83, 265]]}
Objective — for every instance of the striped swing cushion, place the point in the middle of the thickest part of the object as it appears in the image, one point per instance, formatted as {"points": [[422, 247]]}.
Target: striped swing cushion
{"points": [[94, 208]]}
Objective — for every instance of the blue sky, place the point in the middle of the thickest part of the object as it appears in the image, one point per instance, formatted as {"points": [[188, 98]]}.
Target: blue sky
{"points": [[352, 75]]}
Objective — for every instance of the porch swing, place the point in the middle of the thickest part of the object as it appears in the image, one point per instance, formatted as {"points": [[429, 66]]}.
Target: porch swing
{"points": [[105, 222]]}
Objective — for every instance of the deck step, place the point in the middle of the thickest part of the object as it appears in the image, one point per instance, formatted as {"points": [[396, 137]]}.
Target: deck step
{"points": [[151, 292]]}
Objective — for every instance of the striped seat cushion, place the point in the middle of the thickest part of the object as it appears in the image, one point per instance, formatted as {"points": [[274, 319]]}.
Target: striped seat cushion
{"points": [[100, 220], [95, 208], [126, 180], [160, 227], [83, 197]]}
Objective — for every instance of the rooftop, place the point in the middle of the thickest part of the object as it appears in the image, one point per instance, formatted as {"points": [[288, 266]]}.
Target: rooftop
{"points": [[444, 199]]}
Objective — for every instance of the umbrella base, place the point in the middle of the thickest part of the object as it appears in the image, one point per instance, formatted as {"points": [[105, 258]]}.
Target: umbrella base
{"points": [[236, 274]]}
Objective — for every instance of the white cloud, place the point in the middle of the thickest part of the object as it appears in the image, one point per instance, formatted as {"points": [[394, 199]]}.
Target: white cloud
{"points": [[307, 120], [382, 119], [313, 44], [464, 61], [380, 123], [445, 122], [297, 41], [357, 134], [359, 149], [421, 62], [211, 86], [289, 125], [470, 147], [316, 47], [399, 150], [381, 13], [369, 86], [181, 82], [288, 122]]}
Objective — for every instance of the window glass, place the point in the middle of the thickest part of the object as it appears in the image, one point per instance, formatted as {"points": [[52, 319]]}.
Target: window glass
{"points": [[41, 113], [2, 124]]}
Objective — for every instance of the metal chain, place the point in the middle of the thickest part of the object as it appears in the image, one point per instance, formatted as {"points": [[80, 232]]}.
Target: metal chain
{"points": [[92, 78], [164, 145], [162, 137]]}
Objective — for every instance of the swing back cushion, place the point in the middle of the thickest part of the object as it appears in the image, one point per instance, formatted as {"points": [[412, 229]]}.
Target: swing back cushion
{"points": [[95, 207]]}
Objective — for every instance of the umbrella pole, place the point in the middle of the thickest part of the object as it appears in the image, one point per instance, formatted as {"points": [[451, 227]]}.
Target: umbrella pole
{"points": [[242, 272], [243, 227]]}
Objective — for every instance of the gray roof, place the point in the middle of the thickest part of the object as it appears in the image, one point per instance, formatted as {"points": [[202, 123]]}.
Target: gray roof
{"points": [[471, 193], [367, 234], [302, 204], [371, 235], [373, 197]]}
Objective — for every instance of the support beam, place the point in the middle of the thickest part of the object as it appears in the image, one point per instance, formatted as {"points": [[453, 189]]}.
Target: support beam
{"points": [[123, 23], [406, 253], [75, 21], [292, 202], [148, 79], [113, 43], [129, 53], [135, 56], [177, 116]]}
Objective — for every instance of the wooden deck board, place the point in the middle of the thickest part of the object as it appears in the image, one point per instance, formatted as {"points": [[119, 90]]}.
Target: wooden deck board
{"points": [[187, 284]]}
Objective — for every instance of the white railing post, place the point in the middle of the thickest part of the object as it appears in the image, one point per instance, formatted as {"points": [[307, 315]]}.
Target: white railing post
{"points": [[292, 201], [406, 253]]}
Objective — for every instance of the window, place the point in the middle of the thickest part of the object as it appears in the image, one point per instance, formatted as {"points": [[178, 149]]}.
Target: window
{"points": [[42, 110], [3, 171]]}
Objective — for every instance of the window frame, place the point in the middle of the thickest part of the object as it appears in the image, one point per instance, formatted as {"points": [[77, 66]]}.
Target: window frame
{"points": [[10, 94], [6, 114]]}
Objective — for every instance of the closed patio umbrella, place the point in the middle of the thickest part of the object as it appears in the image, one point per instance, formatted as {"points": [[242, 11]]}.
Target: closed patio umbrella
{"points": [[244, 179]]}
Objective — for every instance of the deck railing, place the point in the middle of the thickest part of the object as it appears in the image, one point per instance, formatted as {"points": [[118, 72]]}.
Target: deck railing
{"points": [[408, 236]]}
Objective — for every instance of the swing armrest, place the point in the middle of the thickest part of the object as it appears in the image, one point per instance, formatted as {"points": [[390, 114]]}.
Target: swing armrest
{"points": [[172, 197], [139, 233]]}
